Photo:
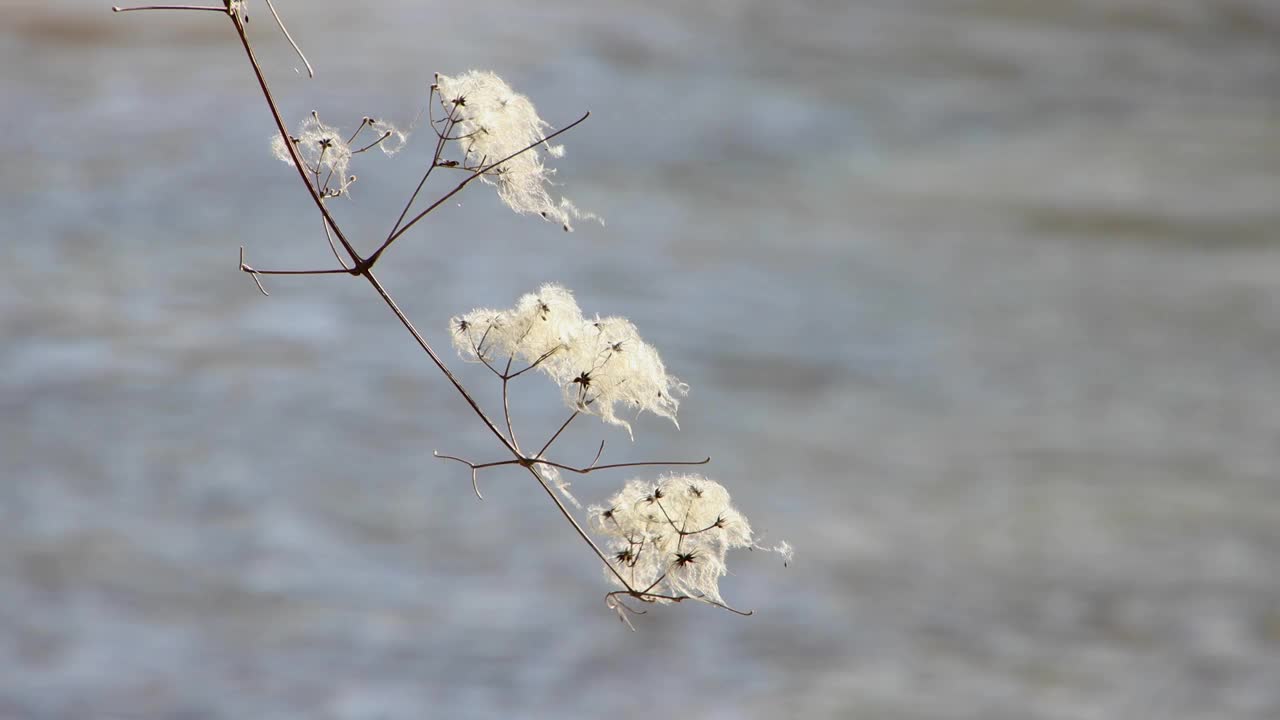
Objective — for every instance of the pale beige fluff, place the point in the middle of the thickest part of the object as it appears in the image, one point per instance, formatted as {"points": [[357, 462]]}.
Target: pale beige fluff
{"points": [[601, 364], [670, 537], [494, 123], [323, 151], [608, 366]]}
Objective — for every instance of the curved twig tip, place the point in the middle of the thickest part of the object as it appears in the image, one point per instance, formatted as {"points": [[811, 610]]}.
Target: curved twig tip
{"points": [[280, 23]]}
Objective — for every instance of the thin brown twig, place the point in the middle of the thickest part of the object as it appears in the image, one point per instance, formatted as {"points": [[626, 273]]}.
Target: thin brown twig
{"points": [[506, 405], [653, 597], [552, 439], [213, 8], [431, 353], [474, 467], [364, 122], [333, 247], [375, 143], [475, 348], [599, 452], [256, 280], [536, 363], [458, 188], [576, 527], [316, 198], [283, 29], [334, 271], [593, 468], [435, 160], [256, 273]]}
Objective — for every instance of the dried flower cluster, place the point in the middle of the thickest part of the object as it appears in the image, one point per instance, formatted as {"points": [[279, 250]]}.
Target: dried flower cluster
{"points": [[669, 538], [495, 124], [599, 363], [326, 155], [665, 541]]}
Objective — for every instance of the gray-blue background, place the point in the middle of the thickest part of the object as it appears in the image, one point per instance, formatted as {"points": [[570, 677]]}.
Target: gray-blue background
{"points": [[979, 301]]}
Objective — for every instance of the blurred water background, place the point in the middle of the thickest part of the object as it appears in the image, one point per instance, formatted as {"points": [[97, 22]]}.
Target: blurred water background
{"points": [[979, 301]]}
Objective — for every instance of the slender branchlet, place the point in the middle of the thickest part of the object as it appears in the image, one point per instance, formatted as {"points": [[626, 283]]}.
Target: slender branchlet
{"points": [[663, 541]]}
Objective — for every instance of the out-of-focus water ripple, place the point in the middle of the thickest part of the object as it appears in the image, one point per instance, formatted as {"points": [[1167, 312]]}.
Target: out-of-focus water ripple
{"points": [[979, 301]]}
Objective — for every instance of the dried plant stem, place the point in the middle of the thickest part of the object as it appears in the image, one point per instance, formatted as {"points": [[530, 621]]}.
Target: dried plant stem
{"points": [[614, 466], [506, 408], [328, 235], [363, 267], [646, 596], [564, 425], [577, 527], [294, 45], [458, 188], [298, 164], [214, 8], [426, 347], [435, 162]]}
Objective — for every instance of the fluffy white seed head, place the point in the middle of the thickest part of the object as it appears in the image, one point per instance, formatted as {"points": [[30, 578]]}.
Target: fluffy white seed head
{"points": [[323, 150], [602, 365], [671, 536], [476, 334], [495, 122], [541, 325], [608, 366], [393, 138]]}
